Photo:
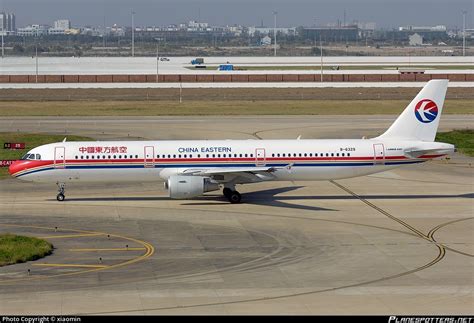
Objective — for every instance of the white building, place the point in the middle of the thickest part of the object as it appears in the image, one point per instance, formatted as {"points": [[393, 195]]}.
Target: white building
{"points": [[63, 24], [7, 23], [266, 41], [415, 40], [33, 30], [423, 28]]}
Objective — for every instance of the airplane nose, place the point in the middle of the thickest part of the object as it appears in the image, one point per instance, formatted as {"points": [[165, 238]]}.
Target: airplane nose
{"points": [[14, 167]]}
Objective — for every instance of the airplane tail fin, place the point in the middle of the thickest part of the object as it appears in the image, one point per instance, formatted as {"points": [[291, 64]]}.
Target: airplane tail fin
{"points": [[420, 119]]}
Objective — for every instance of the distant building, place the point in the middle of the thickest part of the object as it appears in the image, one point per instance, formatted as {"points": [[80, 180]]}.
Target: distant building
{"points": [[33, 30], [266, 41], [63, 24], [269, 30], [439, 28], [61, 27], [7, 23], [415, 40]]}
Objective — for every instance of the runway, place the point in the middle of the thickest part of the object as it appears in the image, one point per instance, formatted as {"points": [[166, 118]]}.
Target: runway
{"points": [[394, 242]]}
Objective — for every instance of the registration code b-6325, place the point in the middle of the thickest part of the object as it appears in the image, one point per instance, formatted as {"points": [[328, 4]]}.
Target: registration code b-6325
{"points": [[347, 149]]}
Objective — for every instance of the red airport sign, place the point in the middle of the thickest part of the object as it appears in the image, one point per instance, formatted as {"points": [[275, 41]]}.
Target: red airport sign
{"points": [[14, 145]]}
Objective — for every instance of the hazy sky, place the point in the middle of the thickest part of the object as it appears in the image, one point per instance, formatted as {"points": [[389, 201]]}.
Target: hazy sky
{"points": [[385, 13]]}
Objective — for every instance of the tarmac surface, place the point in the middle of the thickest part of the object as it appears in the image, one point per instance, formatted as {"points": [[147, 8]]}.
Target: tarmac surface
{"points": [[390, 243], [180, 65]]}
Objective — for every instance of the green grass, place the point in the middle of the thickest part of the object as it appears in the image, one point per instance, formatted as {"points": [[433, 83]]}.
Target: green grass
{"points": [[16, 249], [221, 107], [31, 140], [462, 139]]}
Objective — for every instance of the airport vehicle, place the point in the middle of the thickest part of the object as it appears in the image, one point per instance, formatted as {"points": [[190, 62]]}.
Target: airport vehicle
{"points": [[164, 59], [197, 61], [192, 167], [225, 67]]}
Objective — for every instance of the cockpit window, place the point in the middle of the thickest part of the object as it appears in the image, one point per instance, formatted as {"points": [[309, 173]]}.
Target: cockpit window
{"points": [[31, 157]]}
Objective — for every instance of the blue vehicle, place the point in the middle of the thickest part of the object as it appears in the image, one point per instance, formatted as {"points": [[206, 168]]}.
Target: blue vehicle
{"points": [[226, 67]]}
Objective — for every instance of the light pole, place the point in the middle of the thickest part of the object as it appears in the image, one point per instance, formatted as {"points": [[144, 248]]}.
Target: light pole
{"points": [[36, 59], [275, 33], [133, 33], [464, 32], [321, 50], [3, 31]]}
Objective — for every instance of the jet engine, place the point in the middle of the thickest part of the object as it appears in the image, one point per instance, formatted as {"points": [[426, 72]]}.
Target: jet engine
{"points": [[187, 186]]}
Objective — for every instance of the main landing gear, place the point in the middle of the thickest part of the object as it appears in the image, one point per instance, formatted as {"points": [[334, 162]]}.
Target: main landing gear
{"points": [[232, 195], [61, 189]]}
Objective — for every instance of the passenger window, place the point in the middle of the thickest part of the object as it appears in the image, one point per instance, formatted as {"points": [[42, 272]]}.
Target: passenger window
{"points": [[213, 155], [311, 155], [92, 157], [87, 157], [348, 154], [190, 156], [76, 157], [273, 155], [305, 154], [337, 154], [207, 155], [82, 157], [245, 155], [278, 155], [332, 154], [327, 154], [219, 155], [103, 157], [240, 155], [342, 154], [300, 154], [184, 156], [114, 156], [199, 156], [38, 156]]}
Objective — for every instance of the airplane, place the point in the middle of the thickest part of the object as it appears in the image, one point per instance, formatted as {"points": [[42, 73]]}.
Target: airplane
{"points": [[191, 168]]}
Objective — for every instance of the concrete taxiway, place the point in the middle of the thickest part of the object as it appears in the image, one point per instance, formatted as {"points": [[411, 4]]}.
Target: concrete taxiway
{"points": [[395, 242]]}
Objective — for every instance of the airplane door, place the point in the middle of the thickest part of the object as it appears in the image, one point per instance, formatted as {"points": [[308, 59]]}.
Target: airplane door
{"points": [[149, 157], [59, 157], [379, 154], [260, 157]]}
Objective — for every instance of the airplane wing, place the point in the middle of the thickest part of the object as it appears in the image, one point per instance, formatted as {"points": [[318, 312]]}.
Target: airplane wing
{"points": [[242, 174]]}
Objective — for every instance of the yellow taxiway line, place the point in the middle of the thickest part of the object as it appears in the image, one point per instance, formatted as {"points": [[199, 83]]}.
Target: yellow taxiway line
{"points": [[70, 265], [109, 249], [72, 235]]}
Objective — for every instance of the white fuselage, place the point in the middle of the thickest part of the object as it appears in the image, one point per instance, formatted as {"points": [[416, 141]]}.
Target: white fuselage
{"points": [[148, 161]]}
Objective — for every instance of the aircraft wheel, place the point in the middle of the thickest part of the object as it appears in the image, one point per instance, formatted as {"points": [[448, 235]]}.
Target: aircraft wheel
{"points": [[235, 197], [227, 192], [60, 197]]}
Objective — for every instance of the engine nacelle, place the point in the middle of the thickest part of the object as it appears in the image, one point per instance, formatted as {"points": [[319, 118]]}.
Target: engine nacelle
{"points": [[183, 187]]}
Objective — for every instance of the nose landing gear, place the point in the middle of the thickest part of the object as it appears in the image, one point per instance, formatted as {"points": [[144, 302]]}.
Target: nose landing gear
{"points": [[61, 189]]}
